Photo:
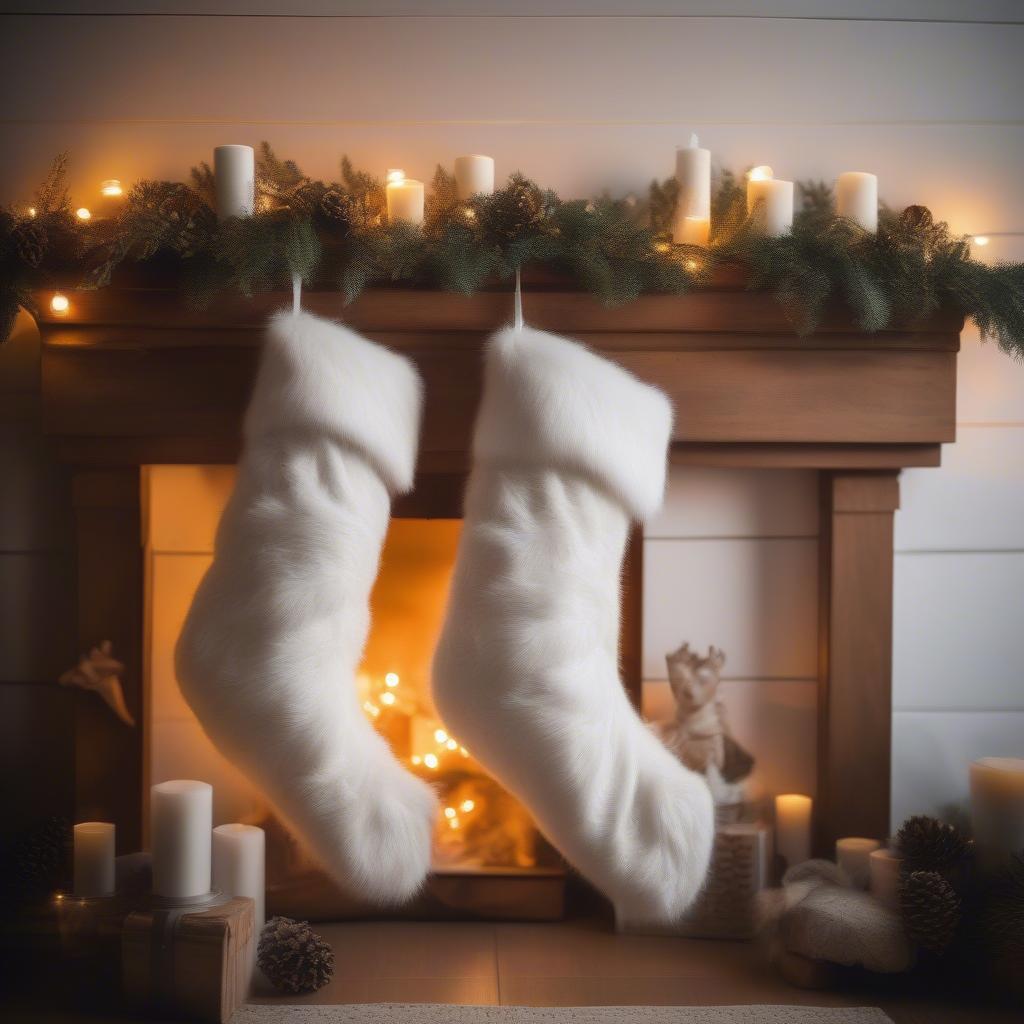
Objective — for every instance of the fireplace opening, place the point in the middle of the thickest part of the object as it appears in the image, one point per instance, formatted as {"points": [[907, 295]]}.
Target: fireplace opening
{"points": [[489, 857]]}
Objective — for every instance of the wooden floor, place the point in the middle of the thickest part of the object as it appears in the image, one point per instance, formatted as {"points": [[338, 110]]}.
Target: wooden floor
{"points": [[581, 963]]}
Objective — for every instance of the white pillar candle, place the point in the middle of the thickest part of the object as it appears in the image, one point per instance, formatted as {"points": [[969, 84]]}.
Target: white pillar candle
{"points": [[94, 859], [181, 819], [793, 827], [775, 213], [852, 855], [474, 176], [884, 868], [857, 198], [405, 198], [997, 808], [234, 171], [693, 202], [239, 865]]}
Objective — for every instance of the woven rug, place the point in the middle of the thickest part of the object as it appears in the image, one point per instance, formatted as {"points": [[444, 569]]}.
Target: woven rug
{"points": [[432, 1013]]}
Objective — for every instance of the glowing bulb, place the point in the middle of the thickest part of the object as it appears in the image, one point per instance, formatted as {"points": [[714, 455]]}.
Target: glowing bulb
{"points": [[440, 735], [449, 812], [416, 759], [662, 246], [453, 822], [463, 751], [466, 806], [59, 303], [430, 760], [371, 708], [761, 173], [691, 264], [469, 213], [981, 239], [111, 187], [395, 176], [83, 214], [31, 211], [391, 679], [387, 698], [451, 744]]}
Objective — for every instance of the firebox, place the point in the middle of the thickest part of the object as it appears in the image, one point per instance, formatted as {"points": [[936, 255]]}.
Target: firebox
{"points": [[489, 860]]}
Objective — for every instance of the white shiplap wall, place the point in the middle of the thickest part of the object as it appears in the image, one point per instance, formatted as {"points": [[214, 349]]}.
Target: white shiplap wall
{"points": [[925, 92]]}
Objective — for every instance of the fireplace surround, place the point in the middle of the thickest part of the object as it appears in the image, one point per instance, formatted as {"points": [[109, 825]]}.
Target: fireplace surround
{"points": [[131, 377]]}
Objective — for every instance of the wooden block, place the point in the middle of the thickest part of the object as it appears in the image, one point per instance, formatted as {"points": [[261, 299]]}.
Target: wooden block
{"points": [[192, 962]]}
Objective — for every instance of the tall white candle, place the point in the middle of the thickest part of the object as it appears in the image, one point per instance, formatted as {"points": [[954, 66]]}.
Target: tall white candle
{"points": [[94, 859], [405, 198], [239, 865], [793, 827], [885, 876], [857, 198], [234, 171], [693, 203], [474, 176], [775, 212], [997, 808], [181, 819], [852, 855]]}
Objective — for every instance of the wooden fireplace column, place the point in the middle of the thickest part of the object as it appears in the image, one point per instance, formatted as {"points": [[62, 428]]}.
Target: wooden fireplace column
{"points": [[131, 377]]}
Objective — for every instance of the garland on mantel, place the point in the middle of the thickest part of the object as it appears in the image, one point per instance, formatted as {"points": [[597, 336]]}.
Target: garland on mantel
{"points": [[335, 234]]}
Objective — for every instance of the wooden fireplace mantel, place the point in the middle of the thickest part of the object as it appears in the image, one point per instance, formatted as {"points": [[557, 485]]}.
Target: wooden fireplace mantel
{"points": [[131, 377]]}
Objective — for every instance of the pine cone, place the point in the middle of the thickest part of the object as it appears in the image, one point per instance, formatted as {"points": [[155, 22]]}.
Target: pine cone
{"points": [[930, 908], [336, 206], [513, 211], [30, 242], [293, 957], [916, 219], [928, 844]]}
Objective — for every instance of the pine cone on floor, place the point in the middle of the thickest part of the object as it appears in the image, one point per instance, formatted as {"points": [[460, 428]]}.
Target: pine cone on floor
{"points": [[30, 242], [928, 844], [293, 957], [930, 909]]}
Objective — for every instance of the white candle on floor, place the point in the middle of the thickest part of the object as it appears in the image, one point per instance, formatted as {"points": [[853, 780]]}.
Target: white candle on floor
{"points": [[852, 855], [234, 171], [404, 197], [239, 865], [885, 876], [693, 203], [181, 819], [94, 859], [793, 827], [857, 198], [772, 199], [474, 176]]}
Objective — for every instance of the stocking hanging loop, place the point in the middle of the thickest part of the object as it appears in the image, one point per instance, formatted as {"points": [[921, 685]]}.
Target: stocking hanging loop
{"points": [[296, 294], [517, 307]]}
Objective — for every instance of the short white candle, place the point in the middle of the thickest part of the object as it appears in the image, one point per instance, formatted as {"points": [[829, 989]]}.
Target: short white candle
{"points": [[884, 867], [94, 859], [857, 198], [997, 808], [793, 827], [852, 855], [234, 171], [404, 197], [693, 202], [239, 865], [181, 819], [474, 176], [775, 212]]}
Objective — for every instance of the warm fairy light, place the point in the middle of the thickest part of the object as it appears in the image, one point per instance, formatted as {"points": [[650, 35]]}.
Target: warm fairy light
{"points": [[371, 708], [416, 759], [453, 822], [691, 264], [449, 812], [391, 679], [463, 751], [31, 211], [981, 239], [59, 303], [440, 735], [83, 214], [395, 176], [761, 173], [662, 246], [466, 806], [387, 698], [430, 760], [469, 213], [451, 744], [111, 187]]}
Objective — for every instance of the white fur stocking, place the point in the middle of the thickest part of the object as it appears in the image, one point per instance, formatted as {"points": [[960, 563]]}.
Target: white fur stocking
{"points": [[268, 653], [568, 449]]}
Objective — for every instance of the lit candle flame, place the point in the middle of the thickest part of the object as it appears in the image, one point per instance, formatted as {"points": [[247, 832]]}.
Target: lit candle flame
{"points": [[83, 214], [395, 176], [761, 173], [694, 143], [59, 303], [981, 239], [111, 187]]}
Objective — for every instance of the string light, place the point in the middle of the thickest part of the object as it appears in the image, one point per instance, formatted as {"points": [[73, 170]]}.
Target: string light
{"points": [[387, 698], [451, 744], [662, 246], [371, 709], [391, 679], [691, 264], [761, 173], [83, 214], [981, 240], [449, 812], [466, 806], [31, 211], [416, 759], [111, 187], [440, 735], [59, 303], [463, 751], [430, 760]]}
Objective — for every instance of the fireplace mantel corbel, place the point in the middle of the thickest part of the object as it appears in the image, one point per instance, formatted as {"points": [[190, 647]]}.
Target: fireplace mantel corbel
{"points": [[131, 376]]}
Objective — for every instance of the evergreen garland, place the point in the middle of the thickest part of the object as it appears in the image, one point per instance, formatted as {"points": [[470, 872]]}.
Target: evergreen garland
{"points": [[336, 235]]}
